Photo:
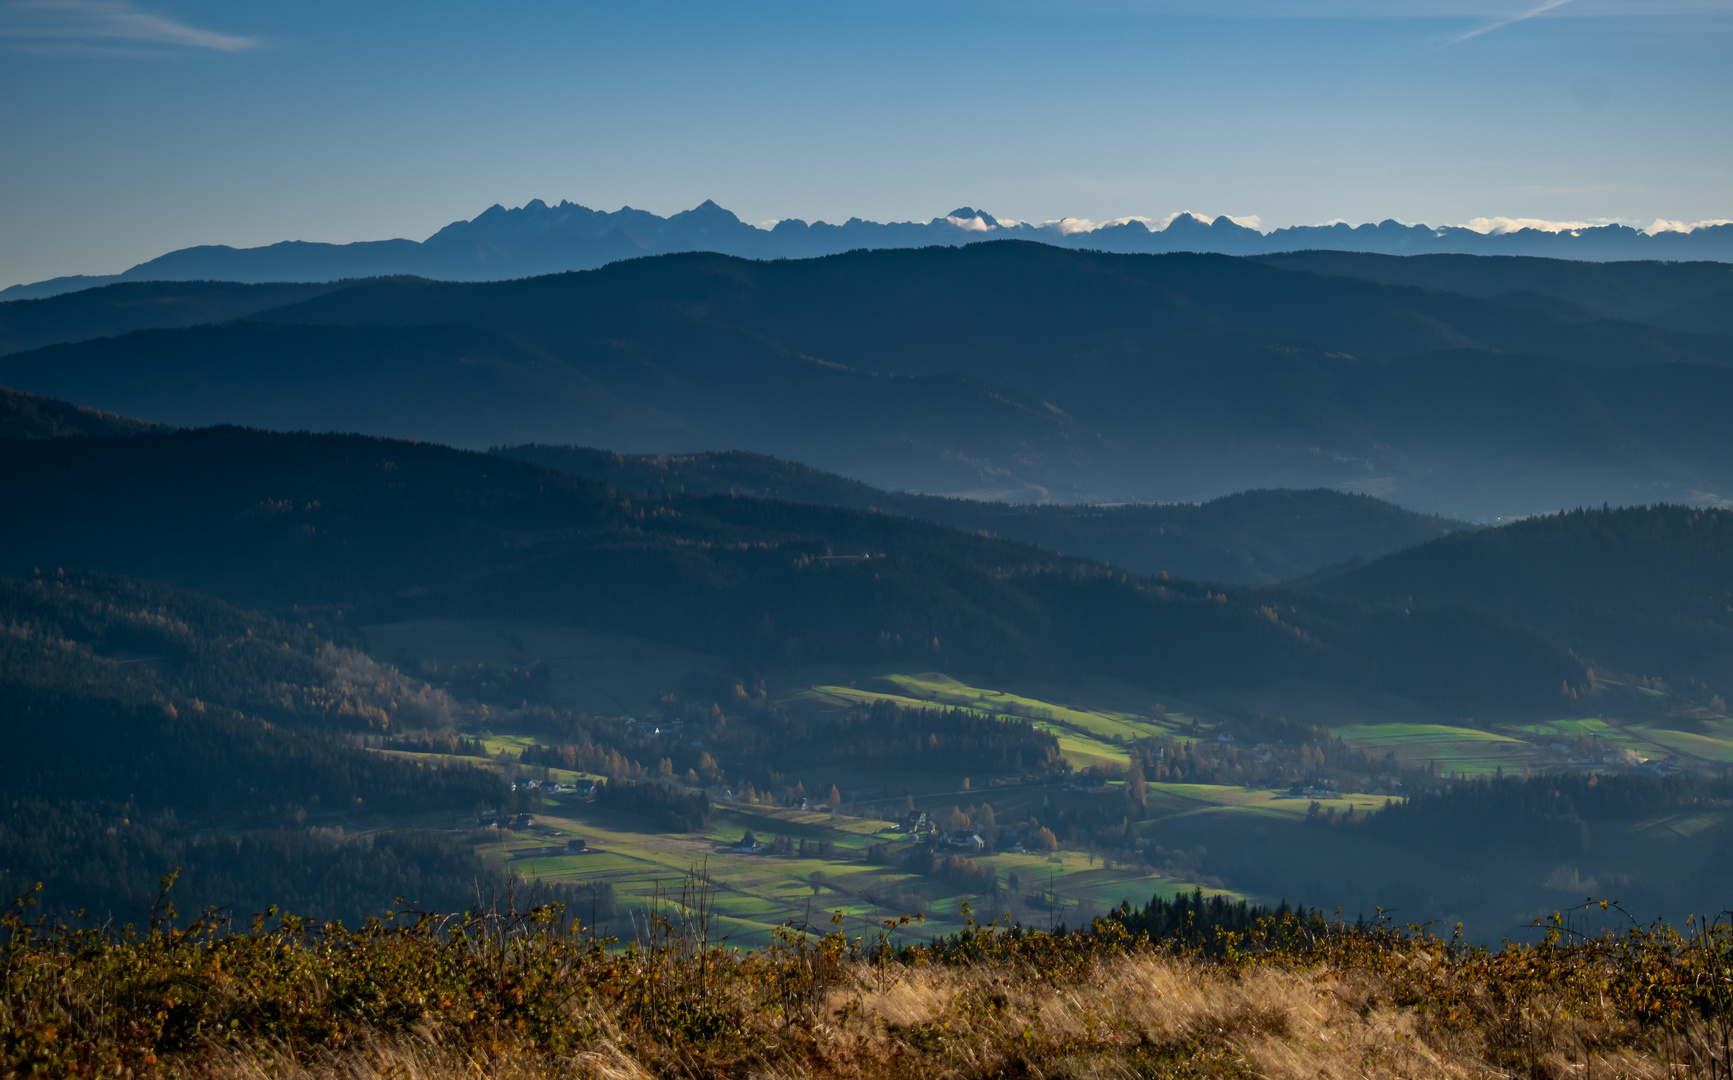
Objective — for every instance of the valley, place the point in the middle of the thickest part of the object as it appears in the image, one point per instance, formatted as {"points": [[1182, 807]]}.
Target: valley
{"points": [[1196, 835], [915, 704]]}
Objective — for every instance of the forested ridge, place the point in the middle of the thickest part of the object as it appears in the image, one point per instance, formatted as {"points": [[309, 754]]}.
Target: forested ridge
{"points": [[1640, 591], [148, 728], [373, 529], [30, 416], [1010, 369]]}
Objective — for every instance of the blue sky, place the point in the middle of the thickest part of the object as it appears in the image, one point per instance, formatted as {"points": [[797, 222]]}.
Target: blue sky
{"points": [[132, 127]]}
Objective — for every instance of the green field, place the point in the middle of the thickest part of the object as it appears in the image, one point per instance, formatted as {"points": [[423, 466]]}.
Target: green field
{"points": [[1468, 751], [1082, 750], [754, 893], [1255, 838], [1173, 801], [1099, 722], [757, 892], [1086, 736]]}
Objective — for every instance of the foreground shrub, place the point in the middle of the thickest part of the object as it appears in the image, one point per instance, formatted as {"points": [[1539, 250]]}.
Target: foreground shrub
{"points": [[511, 991]]}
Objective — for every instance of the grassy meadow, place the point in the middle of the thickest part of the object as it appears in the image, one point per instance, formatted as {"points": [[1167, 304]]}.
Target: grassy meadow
{"points": [[1257, 843]]}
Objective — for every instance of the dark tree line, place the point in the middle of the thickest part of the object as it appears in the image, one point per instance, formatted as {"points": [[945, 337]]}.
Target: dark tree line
{"points": [[1192, 916], [886, 735], [1641, 590], [674, 808], [127, 639], [1550, 815]]}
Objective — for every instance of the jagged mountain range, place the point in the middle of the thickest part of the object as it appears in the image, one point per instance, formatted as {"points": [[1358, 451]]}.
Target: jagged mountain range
{"points": [[540, 239]]}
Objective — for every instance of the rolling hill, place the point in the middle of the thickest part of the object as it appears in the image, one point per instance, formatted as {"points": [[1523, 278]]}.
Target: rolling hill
{"points": [[125, 307], [30, 416], [862, 623], [1013, 369], [149, 728], [1670, 295], [1642, 591], [371, 530]]}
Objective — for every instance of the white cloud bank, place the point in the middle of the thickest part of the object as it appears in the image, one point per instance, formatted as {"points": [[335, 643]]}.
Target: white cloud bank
{"points": [[969, 224], [60, 23], [1486, 226], [1662, 225], [1498, 226], [1071, 226]]}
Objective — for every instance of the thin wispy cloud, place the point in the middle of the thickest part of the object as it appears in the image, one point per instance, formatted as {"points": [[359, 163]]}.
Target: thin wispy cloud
{"points": [[1498, 24], [96, 27]]}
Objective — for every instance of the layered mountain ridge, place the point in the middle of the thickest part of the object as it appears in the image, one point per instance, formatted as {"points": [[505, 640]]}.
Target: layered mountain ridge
{"points": [[1008, 370]]}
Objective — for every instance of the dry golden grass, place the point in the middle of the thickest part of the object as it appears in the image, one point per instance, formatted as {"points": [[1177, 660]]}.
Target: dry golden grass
{"points": [[519, 996], [1133, 1016]]}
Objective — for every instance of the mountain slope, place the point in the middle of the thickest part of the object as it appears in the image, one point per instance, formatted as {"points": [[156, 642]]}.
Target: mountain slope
{"points": [[123, 308], [148, 728], [471, 386], [1252, 538], [1643, 590], [382, 530], [28, 416], [1658, 293]]}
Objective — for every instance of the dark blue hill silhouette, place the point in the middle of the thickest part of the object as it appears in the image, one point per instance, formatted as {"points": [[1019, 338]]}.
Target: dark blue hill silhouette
{"points": [[540, 239], [120, 308], [1690, 297]]}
